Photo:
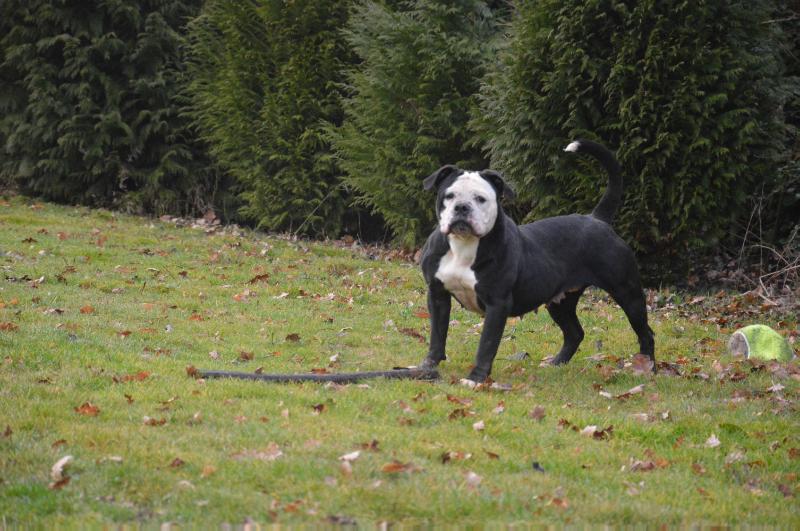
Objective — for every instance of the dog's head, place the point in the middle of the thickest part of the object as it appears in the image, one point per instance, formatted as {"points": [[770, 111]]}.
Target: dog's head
{"points": [[467, 202]]}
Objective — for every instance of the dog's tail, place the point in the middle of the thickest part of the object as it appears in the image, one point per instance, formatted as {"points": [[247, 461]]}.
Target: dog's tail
{"points": [[612, 199]]}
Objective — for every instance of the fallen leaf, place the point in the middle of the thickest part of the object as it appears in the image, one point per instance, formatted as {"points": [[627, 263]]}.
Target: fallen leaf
{"points": [[396, 467], [294, 338], [245, 356], [473, 480], [641, 466], [148, 421], [58, 473], [88, 409], [412, 333], [454, 456], [207, 471], [8, 327], [712, 442], [537, 413], [177, 463], [270, 453], [642, 365], [352, 456], [698, 469], [192, 371], [87, 309], [8, 432], [630, 392], [501, 407]]}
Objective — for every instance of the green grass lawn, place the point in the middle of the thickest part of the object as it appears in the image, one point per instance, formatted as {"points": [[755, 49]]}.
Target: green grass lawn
{"points": [[101, 314]]}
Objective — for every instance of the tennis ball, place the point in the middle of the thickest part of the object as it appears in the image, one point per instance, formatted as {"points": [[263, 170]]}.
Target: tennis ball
{"points": [[760, 342]]}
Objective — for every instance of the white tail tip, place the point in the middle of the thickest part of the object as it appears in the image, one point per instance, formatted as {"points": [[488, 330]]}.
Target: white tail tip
{"points": [[573, 146]]}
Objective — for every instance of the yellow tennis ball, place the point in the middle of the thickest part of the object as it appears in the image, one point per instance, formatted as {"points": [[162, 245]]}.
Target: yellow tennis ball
{"points": [[760, 342]]}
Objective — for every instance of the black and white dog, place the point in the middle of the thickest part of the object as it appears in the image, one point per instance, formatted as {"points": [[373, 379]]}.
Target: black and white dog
{"points": [[498, 269]]}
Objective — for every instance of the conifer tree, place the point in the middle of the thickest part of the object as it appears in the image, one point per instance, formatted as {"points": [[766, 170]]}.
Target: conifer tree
{"points": [[265, 77], [688, 93], [409, 101], [90, 108]]}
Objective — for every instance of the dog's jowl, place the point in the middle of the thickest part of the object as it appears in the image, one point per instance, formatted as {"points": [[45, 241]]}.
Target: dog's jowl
{"points": [[493, 267]]}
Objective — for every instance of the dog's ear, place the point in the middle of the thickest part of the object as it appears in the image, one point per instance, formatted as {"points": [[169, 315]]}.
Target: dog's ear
{"points": [[499, 184], [433, 180]]}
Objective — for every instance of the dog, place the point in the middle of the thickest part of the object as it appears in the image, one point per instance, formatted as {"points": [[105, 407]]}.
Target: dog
{"points": [[498, 269]]}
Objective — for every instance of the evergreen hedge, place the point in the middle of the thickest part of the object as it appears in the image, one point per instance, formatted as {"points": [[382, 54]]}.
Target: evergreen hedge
{"points": [[264, 83], [89, 104], [688, 93], [409, 102]]}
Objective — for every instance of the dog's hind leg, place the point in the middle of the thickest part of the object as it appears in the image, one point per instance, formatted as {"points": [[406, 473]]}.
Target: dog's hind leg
{"points": [[563, 313], [634, 305]]}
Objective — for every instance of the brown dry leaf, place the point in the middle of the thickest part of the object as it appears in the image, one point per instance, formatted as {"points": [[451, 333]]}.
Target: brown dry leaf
{"points": [[293, 337], [149, 421], [642, 365], [454, 456], [395, 467], [422, 314], [207, 471], [60, 484], [245, 356], [492, 455], [630, 392], [412, 333], [177, 463], [138, 377], [88, 409], [461, 401], [58, 443], [8, 432], [192, 371], [641, 466], [87, 309], [318, 408], [270, 453], [8, 327], [537, 413], [259, 278], [698, 469]]}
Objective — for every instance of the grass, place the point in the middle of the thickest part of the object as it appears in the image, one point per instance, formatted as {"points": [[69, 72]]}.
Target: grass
{"points": [[109, 310]]}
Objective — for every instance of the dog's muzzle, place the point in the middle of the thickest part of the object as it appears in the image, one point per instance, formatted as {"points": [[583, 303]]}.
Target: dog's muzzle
{"points": [[461, 227]]}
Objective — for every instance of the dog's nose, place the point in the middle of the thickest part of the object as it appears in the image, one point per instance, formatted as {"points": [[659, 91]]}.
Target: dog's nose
{"points": [[462, 208]]}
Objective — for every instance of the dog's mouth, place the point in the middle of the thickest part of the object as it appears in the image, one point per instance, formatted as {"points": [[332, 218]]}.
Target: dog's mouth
{"points": [[461, 227]]}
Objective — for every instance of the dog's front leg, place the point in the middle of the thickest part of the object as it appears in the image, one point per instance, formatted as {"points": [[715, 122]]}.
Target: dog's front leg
{"points": [[493, 325], [439, 303]]}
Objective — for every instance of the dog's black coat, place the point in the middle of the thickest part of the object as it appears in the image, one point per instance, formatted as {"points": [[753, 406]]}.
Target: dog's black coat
{"points": [[551, 261]]}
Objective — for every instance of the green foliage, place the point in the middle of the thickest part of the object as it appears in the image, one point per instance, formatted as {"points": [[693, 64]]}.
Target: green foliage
{"points": [[409, 103], [89, 103], [264, 81], [688, 92]]}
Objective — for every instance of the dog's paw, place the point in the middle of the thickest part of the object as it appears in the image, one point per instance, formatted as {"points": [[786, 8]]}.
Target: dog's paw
{"points": [[428, 364], [466, 382]]}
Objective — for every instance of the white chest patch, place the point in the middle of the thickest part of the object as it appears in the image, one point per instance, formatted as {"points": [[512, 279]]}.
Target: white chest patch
{"points": [[455, 271]]}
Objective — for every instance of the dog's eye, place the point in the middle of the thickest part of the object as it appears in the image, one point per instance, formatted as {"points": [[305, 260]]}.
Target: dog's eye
{"points": [[480, 199], [451, 195]]}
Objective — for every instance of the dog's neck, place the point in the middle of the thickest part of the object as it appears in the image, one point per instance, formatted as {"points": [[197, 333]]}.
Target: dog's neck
{"points": [[464, 248]]}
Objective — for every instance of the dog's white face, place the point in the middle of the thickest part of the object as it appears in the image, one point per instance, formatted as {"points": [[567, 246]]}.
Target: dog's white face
{"points": [[469, 207]]}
